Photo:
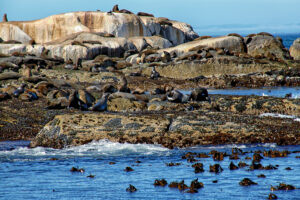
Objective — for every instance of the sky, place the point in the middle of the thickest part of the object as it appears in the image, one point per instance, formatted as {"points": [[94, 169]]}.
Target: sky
{"points": [[208, 17]]}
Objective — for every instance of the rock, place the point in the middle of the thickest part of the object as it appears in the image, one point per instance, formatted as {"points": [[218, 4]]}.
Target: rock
{"points": [[125, 104], [67, 130], [8, 89], [9, 75], [247, 182], [119, 24], [58, 103], [233, 44], [266, 46], [295, 49]]}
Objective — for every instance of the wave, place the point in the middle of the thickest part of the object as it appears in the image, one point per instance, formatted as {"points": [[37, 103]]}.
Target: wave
{"points": [[230, 146], [276, 115], [95, 148]]}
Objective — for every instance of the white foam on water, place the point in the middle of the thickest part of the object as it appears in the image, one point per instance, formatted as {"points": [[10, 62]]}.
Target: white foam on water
{"points": [[101, 147], [276, 115]]}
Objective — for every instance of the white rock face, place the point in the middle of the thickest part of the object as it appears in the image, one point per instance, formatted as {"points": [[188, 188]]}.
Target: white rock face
{"points": [[119, 24], [12, 32], [295, 49], [87, 46]]}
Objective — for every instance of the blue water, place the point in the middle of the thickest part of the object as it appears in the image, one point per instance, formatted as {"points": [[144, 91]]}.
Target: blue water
{"points": [[288, 39], [267, 91], [33, 174]]}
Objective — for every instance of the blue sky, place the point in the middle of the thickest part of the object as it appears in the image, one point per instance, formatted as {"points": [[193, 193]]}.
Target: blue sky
{"points": [[206, 16]]}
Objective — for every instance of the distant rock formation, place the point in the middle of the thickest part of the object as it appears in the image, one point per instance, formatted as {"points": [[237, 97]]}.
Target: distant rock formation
{"points": [[118, 24]]}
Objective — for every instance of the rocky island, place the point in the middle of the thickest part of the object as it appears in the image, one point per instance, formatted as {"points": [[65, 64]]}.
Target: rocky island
{"points": [[72, 78]]}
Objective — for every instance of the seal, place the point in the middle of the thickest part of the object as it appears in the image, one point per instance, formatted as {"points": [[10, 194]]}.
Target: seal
{"points": [[177, 97], [4, 19], [154, 73], [125, 11], [200, 94], [115, 8], [123, 85], [144, 14], [101, 105]]}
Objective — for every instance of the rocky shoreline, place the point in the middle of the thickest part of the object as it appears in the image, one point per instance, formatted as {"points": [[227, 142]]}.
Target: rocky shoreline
{"points": [[111, 80]]}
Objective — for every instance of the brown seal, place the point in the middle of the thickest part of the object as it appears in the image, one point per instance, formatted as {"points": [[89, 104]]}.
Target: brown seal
{"points": [[144, 14], [123, 85], [4, 19], [125, 11], [115, 8]]}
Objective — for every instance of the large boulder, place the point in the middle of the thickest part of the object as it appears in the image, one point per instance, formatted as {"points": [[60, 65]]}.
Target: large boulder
{"points": [[265, 45], [118, 24], [231, 43], [295, 49]]}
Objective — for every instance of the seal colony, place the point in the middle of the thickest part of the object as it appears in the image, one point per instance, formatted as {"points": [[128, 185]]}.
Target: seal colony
{"points": [[90, 80]]}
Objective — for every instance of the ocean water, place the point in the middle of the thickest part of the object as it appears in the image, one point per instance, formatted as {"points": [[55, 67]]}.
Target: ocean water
{"points": [[266, 91], [288, 38], [44, 173]]}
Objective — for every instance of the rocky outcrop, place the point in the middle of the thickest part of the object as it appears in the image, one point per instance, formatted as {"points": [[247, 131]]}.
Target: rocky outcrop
{"points": [[87, 46], [265, 45], [226, 120], [295, 49], [118, 24], [231, 43]]}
